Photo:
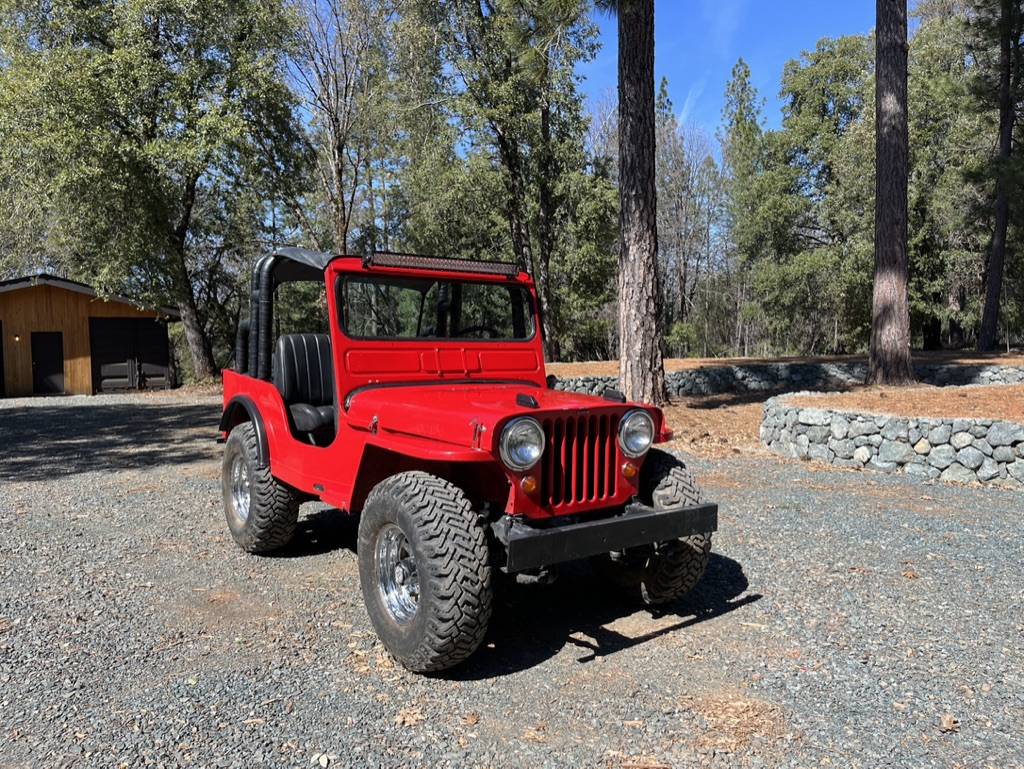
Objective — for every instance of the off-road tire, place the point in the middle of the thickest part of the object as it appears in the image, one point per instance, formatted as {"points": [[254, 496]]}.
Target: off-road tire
{"points": [[452, 560], [273, 506], [668, 570]]}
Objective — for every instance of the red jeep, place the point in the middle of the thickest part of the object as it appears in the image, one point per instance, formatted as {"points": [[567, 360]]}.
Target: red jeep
{"points": [[425, 410]]}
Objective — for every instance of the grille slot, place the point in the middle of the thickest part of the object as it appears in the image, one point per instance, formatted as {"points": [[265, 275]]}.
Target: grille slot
{"points": [[579, 462]]}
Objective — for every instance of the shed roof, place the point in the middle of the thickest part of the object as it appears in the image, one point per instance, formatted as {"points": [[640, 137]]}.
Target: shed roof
{"points": [[45, 279]]}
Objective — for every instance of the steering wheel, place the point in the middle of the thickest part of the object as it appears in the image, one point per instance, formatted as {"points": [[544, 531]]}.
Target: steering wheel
{"points": [[491, 331]]}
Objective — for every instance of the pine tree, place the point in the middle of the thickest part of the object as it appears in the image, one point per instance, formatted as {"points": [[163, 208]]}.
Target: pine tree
{"points": [[889, 352]]}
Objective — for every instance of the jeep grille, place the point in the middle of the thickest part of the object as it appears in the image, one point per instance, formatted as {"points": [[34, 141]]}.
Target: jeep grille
{"points": [[580, 460]]}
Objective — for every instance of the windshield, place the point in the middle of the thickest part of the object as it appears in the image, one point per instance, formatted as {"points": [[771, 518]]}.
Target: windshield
{"points": [[424, 308]]}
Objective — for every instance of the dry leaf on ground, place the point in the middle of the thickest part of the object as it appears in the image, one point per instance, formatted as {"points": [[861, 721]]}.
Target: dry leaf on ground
{"points": [[409, 717]]}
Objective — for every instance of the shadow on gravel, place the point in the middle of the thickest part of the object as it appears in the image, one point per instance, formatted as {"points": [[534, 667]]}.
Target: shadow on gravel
{"points": [[47, 442], [321, 531], [532, 623]]}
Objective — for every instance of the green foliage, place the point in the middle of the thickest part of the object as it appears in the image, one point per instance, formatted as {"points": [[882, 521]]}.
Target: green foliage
{"points": [[149, 135], [154, 147]]}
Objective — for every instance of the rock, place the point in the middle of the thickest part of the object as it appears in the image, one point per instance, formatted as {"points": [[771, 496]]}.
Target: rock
{"points": [[1003, 454], [895, 451], [922, 446], [939, 435], [962, 425], [840, 427], [820, 453], [1016, 470], [843, 449], [851, 464], [874, 440], [818, 434], [982, 445], [989, 469], [916, 469], [862, 427], [895, 429], [813, 417], [970, 457], [862, 454], [883, 467], [942, 456], [958, 474], [961, 439], [1005, 434]]}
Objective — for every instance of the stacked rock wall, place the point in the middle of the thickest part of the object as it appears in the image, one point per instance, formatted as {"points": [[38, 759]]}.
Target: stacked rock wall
{"points": [[962, 450], [791, 377]]}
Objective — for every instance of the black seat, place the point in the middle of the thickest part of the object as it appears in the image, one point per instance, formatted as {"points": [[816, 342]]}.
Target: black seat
{"points": [[303, 375]]}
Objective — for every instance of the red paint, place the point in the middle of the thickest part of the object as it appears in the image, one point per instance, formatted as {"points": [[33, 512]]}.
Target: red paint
{"points": [[440, 406]]}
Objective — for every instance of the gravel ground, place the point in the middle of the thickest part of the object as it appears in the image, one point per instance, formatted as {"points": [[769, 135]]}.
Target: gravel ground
{"points": [[846, 620]]}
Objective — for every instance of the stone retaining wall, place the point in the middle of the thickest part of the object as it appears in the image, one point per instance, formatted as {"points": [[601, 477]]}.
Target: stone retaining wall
{"points": [[962, 450], [790, 377]]}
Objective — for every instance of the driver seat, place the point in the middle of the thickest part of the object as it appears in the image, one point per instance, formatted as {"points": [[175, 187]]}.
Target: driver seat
{"points": [[303, 374]]}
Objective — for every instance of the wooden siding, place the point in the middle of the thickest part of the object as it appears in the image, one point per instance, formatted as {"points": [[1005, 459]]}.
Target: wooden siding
{"points": [[49, 308]]}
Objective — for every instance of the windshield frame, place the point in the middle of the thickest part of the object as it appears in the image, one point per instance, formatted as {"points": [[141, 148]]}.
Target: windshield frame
{"points": [[530, 308]]}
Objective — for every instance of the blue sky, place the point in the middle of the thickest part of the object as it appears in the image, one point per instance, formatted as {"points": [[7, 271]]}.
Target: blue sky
{"points": [[697, 42]]}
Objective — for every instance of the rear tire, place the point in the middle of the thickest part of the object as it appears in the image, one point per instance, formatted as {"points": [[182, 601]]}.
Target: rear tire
{"points": [[260, 510], [424, 569], [666, 571]]}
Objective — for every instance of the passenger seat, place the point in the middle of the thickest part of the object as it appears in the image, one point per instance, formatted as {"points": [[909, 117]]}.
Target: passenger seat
{"points": [[302, 372]]}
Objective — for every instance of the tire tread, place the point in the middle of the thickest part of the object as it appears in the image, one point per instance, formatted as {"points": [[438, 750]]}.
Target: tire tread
{"points": [[457, 562]]}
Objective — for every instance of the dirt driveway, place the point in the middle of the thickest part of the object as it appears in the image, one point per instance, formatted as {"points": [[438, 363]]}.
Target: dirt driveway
{"points": [[846, 620]]}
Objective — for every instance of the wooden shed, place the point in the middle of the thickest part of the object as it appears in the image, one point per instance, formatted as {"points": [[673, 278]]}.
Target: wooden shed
{"points": [[57, 336]]}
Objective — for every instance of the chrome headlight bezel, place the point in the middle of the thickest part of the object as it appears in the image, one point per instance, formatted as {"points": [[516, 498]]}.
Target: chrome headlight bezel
{"points": [[516, 429], [627, 420]]}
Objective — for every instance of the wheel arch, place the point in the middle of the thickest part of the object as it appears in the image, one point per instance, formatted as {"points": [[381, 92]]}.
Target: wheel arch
{"points": [[241, 409], [477, 480]]}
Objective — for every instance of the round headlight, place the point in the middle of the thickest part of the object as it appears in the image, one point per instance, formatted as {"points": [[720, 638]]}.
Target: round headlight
{"points": [[522, 443], [636, 433]]}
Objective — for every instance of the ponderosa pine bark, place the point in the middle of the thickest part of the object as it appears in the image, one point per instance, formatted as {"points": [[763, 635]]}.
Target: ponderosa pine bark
{"points": [[641, 368], [989, 332], [889, 356]]}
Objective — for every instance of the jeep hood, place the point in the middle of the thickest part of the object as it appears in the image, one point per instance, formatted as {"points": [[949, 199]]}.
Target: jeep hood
{"points": [[459, 414]]}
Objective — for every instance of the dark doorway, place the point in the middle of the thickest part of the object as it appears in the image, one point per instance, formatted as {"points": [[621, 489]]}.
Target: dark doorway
{"points": [[128, 354], [47, 362]]}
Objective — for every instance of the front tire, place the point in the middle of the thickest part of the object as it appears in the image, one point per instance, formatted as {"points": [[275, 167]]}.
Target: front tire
{"points": [[424, 569], [666, 571], [260, 510]]}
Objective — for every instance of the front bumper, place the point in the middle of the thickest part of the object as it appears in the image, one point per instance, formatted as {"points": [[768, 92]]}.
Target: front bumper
{"points": [[530, 547]]}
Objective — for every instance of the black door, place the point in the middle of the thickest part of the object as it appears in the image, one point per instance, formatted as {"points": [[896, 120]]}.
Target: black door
{"points": [[128, 354], [47, 362], [112, 348], [152, 355]]}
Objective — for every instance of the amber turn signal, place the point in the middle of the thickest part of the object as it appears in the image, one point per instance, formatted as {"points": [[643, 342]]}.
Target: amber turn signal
{"points": [[629, 470], [528, 484]]}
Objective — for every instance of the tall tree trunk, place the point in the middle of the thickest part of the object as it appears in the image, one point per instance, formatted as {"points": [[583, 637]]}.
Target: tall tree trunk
{"points": [[198, 342], [519, 228], [545, 234], [641, 368], [997, 253], [199, 346], [339, 198], [889, 358]]}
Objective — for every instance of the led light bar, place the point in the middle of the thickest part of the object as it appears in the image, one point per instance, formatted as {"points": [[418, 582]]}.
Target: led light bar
{"points": [[442, 263]]}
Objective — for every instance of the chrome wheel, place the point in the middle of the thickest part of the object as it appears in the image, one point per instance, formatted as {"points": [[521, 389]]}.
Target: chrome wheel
{"points": [[397, 578], [240, 487]]}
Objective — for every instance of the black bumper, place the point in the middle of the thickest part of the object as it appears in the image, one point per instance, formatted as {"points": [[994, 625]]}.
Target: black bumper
{"points": [[530, 547]]}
